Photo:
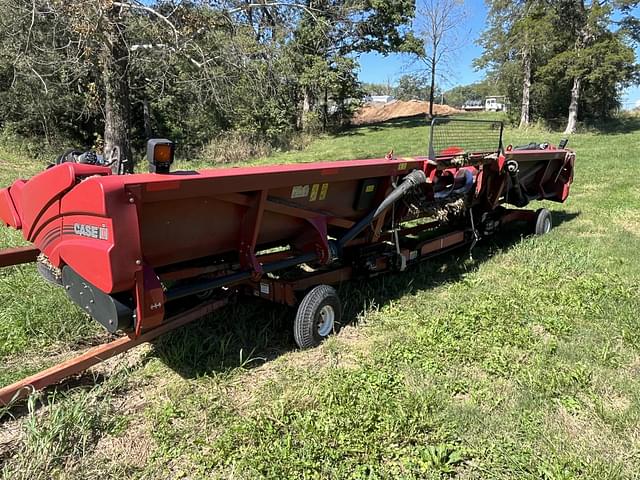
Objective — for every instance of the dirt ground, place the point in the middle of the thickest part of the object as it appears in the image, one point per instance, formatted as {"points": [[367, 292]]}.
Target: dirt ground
{"points": [[381, 112]]}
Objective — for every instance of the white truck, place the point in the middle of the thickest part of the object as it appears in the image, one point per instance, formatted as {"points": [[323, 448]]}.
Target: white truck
{"points": [[494, 104]]}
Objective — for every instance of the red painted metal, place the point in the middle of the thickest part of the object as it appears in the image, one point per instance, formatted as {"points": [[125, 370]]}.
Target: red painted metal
{"points": [[442, 243], [119, 232], [186, 221], [51, 376], [8, 212], [149, 299], [139, 235], [249, 230]]}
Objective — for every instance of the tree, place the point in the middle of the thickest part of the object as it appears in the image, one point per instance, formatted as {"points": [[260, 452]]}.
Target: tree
{"points": [[461, 94], [379, 88], [334, 29], [111, 38], [518, 33], [438, 23], [412, 87], [597, 51], [115, 72], [546, 55]]}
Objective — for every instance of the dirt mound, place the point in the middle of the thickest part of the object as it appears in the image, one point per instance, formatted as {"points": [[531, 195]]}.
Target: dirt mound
{"points": [[381, 112]]}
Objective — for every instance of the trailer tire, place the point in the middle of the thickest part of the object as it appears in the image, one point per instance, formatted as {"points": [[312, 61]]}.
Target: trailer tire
{"points": [[317, 317], [544, 223]]}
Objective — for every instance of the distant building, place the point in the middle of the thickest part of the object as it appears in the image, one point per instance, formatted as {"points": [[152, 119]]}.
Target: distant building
{"points": [[379, 99], [473, 106]]}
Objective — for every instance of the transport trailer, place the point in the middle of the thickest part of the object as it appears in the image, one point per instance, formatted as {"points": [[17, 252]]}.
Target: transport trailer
{"points": [[133, 250]]}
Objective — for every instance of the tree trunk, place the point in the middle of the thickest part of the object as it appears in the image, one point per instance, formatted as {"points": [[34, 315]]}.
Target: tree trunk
{"points": [[585, 38], [146, 114], [325, 108], [526, 88], [573, 106], [307, 106], [432, 93], [117, 122]]}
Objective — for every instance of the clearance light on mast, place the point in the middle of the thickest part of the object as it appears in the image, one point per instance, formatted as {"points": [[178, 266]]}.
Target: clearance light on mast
{"points": [[160, 155]]}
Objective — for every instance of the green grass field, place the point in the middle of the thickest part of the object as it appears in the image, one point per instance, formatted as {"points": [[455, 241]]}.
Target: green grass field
{"points": [[522, 362]]}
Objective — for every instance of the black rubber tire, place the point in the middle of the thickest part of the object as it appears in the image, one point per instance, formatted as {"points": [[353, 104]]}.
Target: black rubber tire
{"points": [[68, 156], [308, 317], [544, 222]]}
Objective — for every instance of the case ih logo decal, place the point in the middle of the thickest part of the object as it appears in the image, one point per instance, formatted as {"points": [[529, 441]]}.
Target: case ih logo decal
{"points": [[91, 231]]}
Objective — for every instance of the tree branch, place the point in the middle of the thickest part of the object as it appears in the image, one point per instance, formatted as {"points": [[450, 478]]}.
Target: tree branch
{"points": [[139, 6]]}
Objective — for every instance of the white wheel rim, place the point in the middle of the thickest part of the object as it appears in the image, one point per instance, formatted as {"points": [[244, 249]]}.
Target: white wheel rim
{"points": [[325, 320], [546, 227]]}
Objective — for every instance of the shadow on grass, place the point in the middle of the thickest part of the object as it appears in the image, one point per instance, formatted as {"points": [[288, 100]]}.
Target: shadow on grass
{"points": [[364, 129], [618, 125], [252, 331]]}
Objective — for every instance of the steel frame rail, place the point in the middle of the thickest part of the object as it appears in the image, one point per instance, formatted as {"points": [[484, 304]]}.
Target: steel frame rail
{"points": [[21, 389], [18, 256]]}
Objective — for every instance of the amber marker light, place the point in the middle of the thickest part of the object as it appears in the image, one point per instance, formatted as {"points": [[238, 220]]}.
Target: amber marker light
{"points": [[160, 153]]}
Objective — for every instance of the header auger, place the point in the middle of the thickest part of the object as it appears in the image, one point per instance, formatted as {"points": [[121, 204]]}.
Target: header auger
{"points": [[132, 250]]}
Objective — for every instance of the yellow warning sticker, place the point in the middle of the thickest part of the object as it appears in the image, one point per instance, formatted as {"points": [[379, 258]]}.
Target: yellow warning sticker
{"points": [[323, 191], [370, 188], [402, 166], [314, 192]]}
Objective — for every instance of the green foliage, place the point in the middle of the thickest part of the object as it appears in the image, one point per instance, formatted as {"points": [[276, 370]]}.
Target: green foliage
{"points": [[229, 67], [408, 87], [412, 87], [323, 47], [457, 96], [67, 432], [562, 41], [378, 88], [607, 67]]}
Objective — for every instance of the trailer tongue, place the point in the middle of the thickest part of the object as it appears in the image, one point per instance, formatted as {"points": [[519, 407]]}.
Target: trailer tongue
{"points": [[128, 248]]}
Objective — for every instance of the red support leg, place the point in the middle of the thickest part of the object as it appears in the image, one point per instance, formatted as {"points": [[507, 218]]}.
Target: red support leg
{"points": [[249, 234]]}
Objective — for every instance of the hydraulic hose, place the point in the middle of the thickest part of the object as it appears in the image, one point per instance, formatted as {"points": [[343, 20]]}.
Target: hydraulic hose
{"points": [[413, 179], [516, 196]]}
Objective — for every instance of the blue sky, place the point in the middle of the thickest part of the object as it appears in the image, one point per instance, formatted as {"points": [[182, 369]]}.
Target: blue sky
{"points": [[377, 68]]}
